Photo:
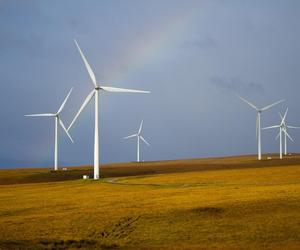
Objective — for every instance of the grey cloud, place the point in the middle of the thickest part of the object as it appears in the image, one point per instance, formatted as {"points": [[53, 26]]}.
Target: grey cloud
{"points": [[191, 76], [32, 44], [204, 43], [236, 85], [18, 32]]}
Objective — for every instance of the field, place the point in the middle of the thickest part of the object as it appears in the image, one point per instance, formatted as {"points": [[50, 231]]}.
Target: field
{"points": [[219, 203]]}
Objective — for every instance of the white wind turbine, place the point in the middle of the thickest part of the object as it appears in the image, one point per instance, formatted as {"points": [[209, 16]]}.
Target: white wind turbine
{"points": [[95, 93], [281, 127], [139, 137], [258, 121], [286, 135], [57, 121]]}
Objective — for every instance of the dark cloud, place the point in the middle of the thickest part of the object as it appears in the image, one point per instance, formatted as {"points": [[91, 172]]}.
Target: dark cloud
{"points": [[20, 31], [32, 43], [236, 85], [128, 46], [204, 43]]}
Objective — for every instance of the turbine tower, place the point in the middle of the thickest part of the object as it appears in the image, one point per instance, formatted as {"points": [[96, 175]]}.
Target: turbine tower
{"points": [[57, 121], [95, 93], [281, 127], [258, 121], [286, 135], [139, 137]]}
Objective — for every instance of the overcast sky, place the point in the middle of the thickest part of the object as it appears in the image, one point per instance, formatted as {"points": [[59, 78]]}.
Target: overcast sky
{"points": [[194, 56]]}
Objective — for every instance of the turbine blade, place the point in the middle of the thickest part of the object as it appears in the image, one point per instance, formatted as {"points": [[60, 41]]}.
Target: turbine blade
{"points": [[45, 114], [130, 136], [143, 139], [276, 126], [113, 89], [272, 105], [88, 67], [64, 128], [249, 103], [86, 102], [64, 102], [288, 135], [276, 138], [283, 119], [141, 125], [293, 127]]}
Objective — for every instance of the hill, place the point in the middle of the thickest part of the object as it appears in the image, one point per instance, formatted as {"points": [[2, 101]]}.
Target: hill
{"points": [[217, 203], [39, 175]]}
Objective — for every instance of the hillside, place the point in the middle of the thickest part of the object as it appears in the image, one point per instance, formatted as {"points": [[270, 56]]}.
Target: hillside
{"points": [[218, 203], [39, 175]]}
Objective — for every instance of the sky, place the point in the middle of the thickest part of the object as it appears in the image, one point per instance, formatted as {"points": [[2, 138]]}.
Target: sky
{"points": [[194, 57]]}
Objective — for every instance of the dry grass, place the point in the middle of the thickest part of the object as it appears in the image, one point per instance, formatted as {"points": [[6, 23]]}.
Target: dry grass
{"points": [[238, 204]]}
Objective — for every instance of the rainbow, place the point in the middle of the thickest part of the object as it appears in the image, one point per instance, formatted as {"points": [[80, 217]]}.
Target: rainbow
{"points": [[155, 44], [149, 48]]}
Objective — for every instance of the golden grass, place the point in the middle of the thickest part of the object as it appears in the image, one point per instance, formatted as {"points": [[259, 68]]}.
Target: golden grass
{"points": [[253, 207]]}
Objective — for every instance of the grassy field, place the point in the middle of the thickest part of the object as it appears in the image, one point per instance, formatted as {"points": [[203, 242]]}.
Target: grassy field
{"points": [[220, 203]]}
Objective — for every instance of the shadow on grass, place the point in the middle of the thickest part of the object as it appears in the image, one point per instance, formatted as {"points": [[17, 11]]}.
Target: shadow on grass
{"points": [[23, 176], [56, 244]]}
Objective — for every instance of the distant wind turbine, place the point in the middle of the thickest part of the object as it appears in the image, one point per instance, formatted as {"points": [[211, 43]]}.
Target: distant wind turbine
{"points": [[281, 127], [57, 121], [139, 137], [285, 130], [95, 93], [258, 120]]}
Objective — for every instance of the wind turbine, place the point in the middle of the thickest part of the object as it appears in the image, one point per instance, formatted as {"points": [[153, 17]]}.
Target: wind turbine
{"points": [[57, 121], [285, 129], [95, 93], [139, 137], [258, 120], [281, 127]]}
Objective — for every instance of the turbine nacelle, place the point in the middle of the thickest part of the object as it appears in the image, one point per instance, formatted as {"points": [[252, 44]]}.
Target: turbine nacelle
{"points": [[95, 93], [283, 129], [258, 120], [57, 115], [139, 137], [58, 122]]}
